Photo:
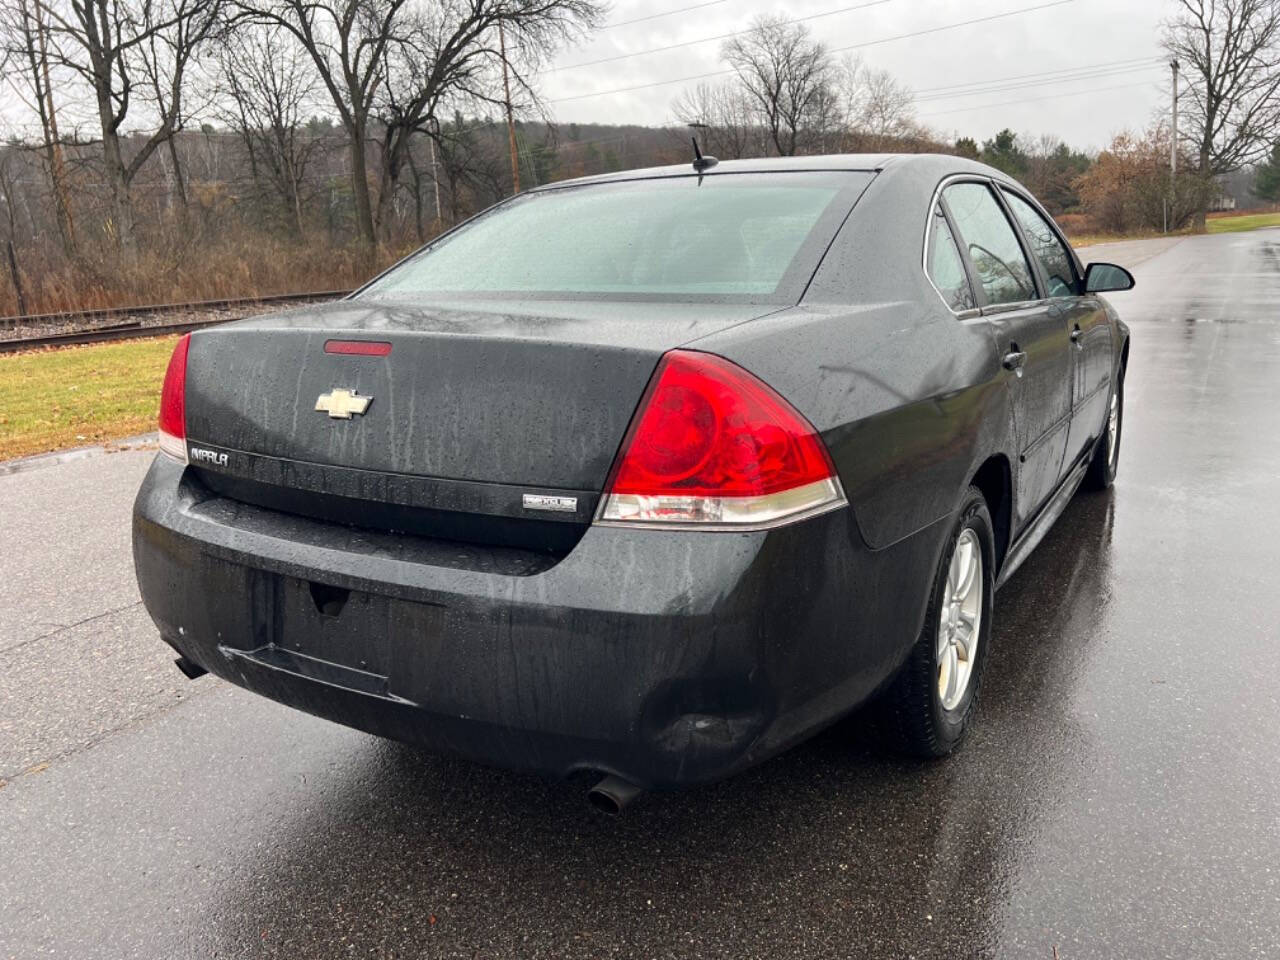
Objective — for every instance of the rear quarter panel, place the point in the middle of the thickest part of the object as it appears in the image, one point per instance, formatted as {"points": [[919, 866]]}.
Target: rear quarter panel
{"points": [[910, 399], [909, 403]]}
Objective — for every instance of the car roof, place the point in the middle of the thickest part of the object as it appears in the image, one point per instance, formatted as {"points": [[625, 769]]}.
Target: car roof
{"points": [[940, 163]]}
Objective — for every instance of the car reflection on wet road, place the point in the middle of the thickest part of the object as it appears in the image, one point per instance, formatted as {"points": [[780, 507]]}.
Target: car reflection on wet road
{"points": [[1117, 798]]}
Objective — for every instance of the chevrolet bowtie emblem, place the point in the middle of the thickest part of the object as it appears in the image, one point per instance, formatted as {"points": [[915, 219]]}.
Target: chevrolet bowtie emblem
{"points": [[341, 403]]}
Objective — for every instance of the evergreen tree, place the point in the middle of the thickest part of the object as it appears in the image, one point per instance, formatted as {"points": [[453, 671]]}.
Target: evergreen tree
{"points": [[1003, 153], [1266, 179]]}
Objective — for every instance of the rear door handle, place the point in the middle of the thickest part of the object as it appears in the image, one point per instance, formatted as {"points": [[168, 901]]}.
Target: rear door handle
{"points": [[1076, 334], [1014, 359]]}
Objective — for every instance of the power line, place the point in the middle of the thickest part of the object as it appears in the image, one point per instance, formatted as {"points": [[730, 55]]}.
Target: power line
{"points": [[951, 26], [1022, 85], [855, 46], [1055, 96], [1042, 73], [659, 16], [639, 86], [722, 36]]}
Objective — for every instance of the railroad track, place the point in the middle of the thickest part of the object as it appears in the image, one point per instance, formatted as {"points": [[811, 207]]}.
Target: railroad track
{"points": [[134, 329]]}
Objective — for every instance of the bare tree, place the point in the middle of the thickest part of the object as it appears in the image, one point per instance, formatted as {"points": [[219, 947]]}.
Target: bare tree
{"points": [[452, 59], [271, 85], [468, 166], [9, 195], [347, 41], [26, 49], [786, 74], [415, 165], [724, 117], [163, 62], [396, 61], [106, 42], [879, 112], [1230, 50]]}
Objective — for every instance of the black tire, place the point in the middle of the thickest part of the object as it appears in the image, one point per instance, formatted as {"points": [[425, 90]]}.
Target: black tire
{"points": [[1106, 459], [924, 727]]}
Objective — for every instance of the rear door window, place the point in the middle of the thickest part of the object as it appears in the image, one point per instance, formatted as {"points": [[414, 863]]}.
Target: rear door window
{"points": [[946, 268], [991, 242], [1059, 271]]}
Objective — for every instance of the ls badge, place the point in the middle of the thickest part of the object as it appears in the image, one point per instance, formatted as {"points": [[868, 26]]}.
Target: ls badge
{"points": [[538, 501], [340, 403]]}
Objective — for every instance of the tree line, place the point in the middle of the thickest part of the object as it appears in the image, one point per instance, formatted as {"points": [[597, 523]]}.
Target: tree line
{"points": [[184, 148]]}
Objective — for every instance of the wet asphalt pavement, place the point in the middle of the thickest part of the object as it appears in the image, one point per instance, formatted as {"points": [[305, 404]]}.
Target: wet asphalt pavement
{"points": [[1118, 797]]}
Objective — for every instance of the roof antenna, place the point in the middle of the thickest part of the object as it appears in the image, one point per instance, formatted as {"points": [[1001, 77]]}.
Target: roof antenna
{"points": [[700, 162]]}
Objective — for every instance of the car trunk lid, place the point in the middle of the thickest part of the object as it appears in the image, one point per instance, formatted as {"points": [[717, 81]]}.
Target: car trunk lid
{"points": [[474, 406]]}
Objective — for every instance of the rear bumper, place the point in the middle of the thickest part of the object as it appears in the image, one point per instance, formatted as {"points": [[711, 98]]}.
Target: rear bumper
{"points": [[665, 657]]}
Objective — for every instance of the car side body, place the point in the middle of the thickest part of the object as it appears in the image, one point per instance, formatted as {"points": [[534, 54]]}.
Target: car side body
{"points": [[362, 581]]}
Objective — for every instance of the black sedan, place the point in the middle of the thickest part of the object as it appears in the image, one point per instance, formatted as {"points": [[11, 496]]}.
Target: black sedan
{"points": [[651, 474]]}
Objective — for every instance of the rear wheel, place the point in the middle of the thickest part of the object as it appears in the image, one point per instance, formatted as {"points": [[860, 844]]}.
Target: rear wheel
{"points": [[934, 697], [1106, 455]]}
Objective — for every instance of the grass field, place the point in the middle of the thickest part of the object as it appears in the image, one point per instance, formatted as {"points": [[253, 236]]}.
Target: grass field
{"points": [[54, 399], [1248, 221]]}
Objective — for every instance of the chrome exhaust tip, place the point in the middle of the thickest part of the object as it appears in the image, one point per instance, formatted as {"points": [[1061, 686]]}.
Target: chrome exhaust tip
{"points": [[612, 795]]}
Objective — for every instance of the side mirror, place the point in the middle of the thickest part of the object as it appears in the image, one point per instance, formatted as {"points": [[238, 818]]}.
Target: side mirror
{"points": [[1105, 277]]}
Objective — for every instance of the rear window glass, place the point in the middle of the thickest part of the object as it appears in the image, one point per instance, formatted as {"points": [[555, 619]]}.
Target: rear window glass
{"points": [[946, 269], [735, 235]]}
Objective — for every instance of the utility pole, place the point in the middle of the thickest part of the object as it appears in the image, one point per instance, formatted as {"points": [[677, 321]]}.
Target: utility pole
{"points": [[435, 170], [1170, 209], [435, 177], [511, 124]]}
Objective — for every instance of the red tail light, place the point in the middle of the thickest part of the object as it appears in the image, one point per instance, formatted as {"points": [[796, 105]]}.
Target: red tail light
{"points": [[711, 444], [173, 402]]}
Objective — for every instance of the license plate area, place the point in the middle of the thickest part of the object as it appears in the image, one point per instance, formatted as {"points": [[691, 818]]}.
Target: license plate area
{"points": [[339, 626], [323, 632]]}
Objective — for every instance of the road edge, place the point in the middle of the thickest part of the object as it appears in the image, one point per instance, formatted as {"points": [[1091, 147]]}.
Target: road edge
{"points": [[143, 441]]}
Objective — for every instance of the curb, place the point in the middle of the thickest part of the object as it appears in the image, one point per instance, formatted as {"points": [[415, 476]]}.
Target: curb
{"points": [[22, 465]]}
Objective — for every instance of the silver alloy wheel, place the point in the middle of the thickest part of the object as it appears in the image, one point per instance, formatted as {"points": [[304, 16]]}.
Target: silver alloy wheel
{"points": [[960, 620], [1113, 426]]}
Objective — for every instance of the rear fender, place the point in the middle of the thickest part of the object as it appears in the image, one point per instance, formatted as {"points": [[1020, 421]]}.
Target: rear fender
{"points": [[909, 400]]}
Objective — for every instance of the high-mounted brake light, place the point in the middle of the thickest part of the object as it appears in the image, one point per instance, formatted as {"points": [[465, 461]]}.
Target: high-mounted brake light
{"points": [[173, 402], [713, 445], [358, 348]]}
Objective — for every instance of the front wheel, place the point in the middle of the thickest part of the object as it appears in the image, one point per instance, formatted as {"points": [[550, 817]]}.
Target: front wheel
{"points": [[934, 697], [1106, 455]]}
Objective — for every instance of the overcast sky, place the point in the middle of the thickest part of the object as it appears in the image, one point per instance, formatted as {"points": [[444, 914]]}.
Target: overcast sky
{"points": [[1082, 70], [1106, 49]]}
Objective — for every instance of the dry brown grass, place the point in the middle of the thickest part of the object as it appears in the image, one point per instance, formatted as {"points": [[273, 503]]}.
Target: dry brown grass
{"points": [[191, 268]]}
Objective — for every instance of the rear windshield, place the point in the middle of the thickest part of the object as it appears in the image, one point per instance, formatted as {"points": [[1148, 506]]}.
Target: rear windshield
{"points": [[731, 236]]}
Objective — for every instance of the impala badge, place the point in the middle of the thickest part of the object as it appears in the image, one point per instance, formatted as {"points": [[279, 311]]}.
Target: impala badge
{"points": [[340, 403]]}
